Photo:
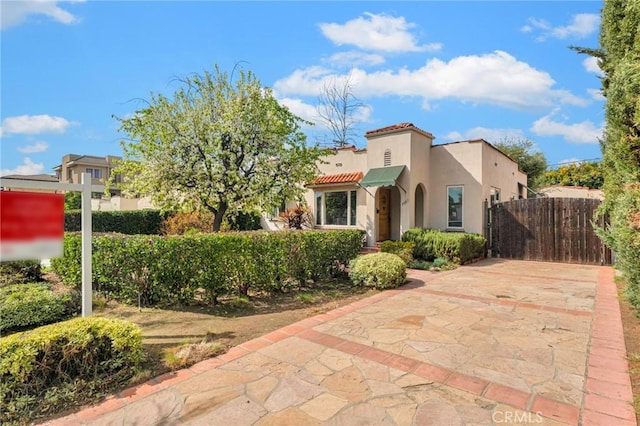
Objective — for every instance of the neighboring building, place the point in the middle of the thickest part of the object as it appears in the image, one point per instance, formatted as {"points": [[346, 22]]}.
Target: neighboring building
{"points": [[35, 178], [571, 192], [401, 181], [100, 169]]}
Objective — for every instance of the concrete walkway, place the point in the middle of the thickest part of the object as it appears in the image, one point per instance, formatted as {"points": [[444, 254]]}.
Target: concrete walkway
{"points": [[496, 342]]}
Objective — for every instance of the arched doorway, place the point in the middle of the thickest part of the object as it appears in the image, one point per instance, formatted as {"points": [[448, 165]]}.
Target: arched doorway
{"points": [[418, 213]]}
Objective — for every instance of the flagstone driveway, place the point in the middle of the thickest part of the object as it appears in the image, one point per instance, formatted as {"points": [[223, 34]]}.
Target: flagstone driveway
{"points": [[496, 342]]}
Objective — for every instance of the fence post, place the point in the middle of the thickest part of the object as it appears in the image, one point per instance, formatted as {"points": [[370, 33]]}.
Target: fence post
{"points": [[487, 227], [87, 287]]}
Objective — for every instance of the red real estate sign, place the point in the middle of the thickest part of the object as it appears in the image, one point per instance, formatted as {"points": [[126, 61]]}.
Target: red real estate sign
{"points": [[31, 225]]}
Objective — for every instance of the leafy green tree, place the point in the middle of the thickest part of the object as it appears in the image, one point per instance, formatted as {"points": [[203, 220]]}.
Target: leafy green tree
{"points": [[619, 59], [218, 145], [522, 152], [587, 174], [72, 200]]}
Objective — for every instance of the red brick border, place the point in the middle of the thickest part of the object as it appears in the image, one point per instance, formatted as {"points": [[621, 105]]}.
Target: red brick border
{"points": [[504, 302], [608, 394]]}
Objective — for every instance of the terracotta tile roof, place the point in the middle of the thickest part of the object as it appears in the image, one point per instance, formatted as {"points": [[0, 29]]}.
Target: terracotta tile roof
{"points": [[347, 148], [394, 127], [339, 178]]}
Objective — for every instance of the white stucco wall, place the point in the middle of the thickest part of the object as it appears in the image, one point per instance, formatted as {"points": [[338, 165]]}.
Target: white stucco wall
{"points": [[117, 203], [456, 164], [572, 192], [502, 173]]}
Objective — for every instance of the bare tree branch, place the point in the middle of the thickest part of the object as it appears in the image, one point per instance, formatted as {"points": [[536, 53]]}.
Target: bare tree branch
{"points": [[337, 107]]}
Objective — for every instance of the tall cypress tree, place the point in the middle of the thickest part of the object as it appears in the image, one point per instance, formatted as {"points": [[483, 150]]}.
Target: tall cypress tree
{"points": [[619, 55]]}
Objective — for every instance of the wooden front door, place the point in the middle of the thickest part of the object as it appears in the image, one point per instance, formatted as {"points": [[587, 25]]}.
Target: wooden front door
{"points": [[384, 214]]}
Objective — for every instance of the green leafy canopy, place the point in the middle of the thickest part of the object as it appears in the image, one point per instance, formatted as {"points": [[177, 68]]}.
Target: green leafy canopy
{"points": [[219, 144], [533, 163]]}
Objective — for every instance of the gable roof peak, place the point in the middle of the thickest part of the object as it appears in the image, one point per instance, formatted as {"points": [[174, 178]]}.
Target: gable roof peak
{"points": [[397, 128]]}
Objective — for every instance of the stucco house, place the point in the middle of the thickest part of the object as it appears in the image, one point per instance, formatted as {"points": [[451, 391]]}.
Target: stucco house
{"points": [[100, 168], [401, 180]]}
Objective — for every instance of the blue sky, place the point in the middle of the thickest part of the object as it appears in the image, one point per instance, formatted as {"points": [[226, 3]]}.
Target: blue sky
{"points": [[460, 70]]}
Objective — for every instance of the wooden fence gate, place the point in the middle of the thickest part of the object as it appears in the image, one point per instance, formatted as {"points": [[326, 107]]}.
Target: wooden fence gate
{"points": [[546, 229]]}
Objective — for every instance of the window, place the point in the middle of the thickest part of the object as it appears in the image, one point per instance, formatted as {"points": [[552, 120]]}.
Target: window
{"points": [[95, 173], [336, 208], [275, 213], [454, 196], [69, 174], [318, 208], [495, 196], [387, 157], [352, 208]]}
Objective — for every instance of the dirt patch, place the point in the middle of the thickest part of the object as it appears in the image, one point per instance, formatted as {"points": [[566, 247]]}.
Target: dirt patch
{"points": [[234, 321], [631, 326]]}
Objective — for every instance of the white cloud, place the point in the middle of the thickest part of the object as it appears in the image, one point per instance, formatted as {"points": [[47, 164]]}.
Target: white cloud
{"points": [[495, 78], [34, 124], [591, 65], [36, 147], [310, 112], [354, 59], [490, 135], [584, 132], [16, 12], [300, 108], [582, 25], [596, 94], [27, 167], [378, 33]]}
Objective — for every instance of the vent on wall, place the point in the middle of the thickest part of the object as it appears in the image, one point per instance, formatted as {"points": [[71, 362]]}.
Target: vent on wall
{"points": [[387, 157]]}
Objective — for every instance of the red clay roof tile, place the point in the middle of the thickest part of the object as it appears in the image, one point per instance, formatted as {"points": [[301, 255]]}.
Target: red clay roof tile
{"points": [[339, 178], [399, 126]]}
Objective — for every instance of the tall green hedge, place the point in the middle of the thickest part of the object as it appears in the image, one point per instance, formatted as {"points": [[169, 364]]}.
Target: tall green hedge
{"points": [[146, 222], [169, 270], [44, 369], [459, 247], [619, 59]]}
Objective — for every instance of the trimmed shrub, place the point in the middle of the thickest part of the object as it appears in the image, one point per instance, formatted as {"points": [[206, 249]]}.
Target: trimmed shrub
{"points": [[187, 223], [378, 270], [44, 369], [457, 247], [20, 271], [33, 304], [146, 222], [404, 249], [175, 269]]}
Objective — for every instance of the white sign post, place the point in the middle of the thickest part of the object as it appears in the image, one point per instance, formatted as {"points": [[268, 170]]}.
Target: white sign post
{"points": [[86, 188], [87, 287]]}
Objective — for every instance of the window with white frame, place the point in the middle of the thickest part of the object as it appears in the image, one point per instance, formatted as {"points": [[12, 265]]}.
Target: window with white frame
{"points": [[336, 208], [455, 195], [95, 173]]}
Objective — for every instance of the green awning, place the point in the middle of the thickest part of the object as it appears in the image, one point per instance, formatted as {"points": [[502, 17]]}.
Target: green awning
{"points": [[383, 176]]}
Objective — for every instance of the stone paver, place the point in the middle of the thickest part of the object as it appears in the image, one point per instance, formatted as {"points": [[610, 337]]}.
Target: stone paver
{"points": [[496, 342]]}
